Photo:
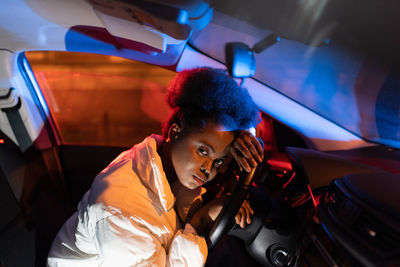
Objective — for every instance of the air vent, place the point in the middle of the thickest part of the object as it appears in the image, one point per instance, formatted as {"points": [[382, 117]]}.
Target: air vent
{"points": [[380, 237], [371, 232]]}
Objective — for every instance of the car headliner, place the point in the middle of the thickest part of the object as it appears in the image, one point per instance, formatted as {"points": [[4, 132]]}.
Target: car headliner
{"points": [[45, 25]]}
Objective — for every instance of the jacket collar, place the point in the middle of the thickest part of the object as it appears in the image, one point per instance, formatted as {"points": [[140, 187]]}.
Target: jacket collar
{"points": [[151, 172]]}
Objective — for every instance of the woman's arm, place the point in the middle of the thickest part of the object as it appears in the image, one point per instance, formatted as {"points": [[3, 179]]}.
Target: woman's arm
{"points": [[187, 248], [123, 242]]}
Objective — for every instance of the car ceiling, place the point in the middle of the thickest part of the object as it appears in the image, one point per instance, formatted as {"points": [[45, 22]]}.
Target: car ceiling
{"points": [[368, 27], [349, 23]]}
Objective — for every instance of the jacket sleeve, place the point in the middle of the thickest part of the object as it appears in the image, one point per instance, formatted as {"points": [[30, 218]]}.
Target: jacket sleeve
{"points": [[122, 242], [187, 248]]}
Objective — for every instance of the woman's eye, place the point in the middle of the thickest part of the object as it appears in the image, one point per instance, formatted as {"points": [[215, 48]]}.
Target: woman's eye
{"points": [[218, 163], [202, 151]]}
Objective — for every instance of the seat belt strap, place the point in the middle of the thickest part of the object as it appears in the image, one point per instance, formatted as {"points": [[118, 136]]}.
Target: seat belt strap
{"points": [[15, 119]]}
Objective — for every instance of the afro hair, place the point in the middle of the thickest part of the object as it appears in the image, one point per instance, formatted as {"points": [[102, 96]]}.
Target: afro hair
{"points": [[207, 94]]}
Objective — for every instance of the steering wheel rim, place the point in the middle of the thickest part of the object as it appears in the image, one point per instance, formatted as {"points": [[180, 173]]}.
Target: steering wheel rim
{"points": [[224, 222]]}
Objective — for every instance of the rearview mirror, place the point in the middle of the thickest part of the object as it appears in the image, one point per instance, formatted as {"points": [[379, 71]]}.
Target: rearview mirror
{"points": [[240, 60]]}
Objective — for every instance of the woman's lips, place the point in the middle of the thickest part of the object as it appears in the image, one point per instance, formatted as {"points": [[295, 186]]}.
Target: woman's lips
{"points": [[198, 180]]}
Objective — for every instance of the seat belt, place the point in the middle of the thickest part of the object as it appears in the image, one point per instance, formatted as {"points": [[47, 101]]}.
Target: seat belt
{"points": [[10, 104]]}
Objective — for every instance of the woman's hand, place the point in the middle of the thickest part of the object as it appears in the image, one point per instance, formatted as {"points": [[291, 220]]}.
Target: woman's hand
{"points": [[203, 218], [247, 150], [244, 214]]}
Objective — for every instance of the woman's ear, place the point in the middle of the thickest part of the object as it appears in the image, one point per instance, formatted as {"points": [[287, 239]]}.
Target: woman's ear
{"points": [[173, 132]]}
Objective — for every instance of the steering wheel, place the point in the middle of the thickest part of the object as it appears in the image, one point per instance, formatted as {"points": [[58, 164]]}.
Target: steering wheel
{"points": [[224, 222]]}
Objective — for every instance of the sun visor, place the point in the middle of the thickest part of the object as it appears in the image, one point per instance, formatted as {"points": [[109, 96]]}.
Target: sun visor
{"points": [[156, 24]]}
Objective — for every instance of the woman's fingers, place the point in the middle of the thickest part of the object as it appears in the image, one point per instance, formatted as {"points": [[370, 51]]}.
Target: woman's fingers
{"points": [[259, 147], [237, 218], [243, 164], [254, 146], [242, 219], [247, 204], [246, 150], [249, 211], [244, 214]]}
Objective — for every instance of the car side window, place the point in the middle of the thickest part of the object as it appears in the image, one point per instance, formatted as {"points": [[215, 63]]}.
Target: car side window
{"points": [[101, 100]]}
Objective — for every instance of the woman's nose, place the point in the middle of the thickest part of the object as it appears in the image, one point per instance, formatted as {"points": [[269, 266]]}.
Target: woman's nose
{"points": [[206, 168]]}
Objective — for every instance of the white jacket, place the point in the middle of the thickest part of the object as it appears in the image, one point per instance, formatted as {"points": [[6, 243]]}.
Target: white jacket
{"points": [[127, 218]]}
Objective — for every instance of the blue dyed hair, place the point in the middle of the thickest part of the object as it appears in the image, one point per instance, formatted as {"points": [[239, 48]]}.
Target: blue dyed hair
{"points": [[207, 94]]}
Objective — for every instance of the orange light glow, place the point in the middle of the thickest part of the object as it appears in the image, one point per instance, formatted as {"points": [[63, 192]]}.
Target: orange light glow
{"points": [[102, 100], [1, 141]]}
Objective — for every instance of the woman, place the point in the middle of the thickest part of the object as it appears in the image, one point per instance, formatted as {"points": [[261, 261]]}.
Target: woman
{"points": [[129, 216]]}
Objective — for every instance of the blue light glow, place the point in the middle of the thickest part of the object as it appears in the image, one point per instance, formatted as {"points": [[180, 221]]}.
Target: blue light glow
{"points": [[40, 98]]}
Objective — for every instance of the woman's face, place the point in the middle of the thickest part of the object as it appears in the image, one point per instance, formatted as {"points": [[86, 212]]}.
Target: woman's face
{"points": [[197, 156]]}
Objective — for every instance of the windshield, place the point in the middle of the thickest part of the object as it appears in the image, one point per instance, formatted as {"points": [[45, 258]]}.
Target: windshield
{"points": [[357, 92]]}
